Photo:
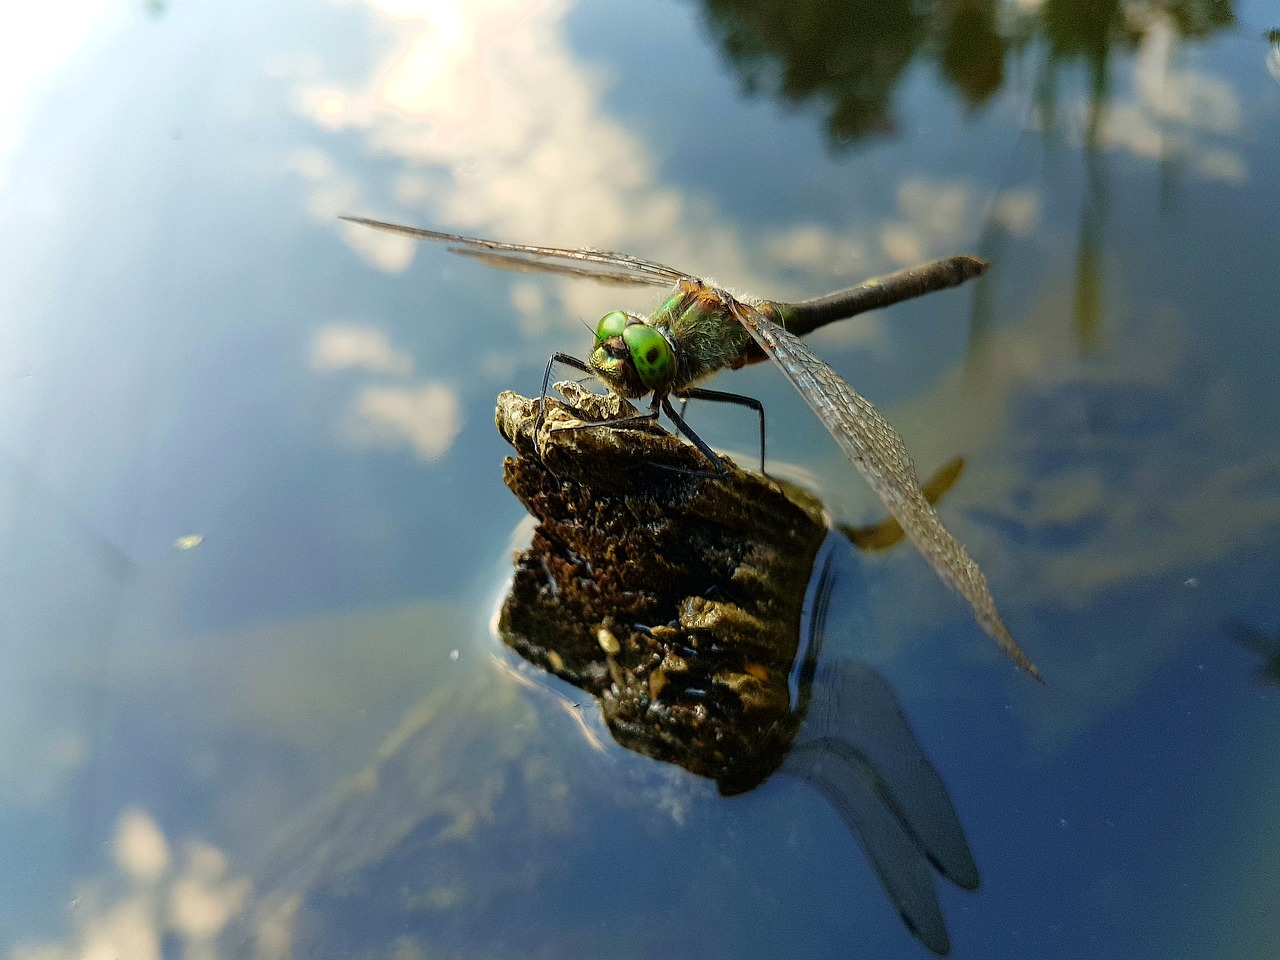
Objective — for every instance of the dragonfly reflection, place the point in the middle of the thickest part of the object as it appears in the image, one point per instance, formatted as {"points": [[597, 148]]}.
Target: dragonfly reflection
{"points": [[1257, 642]]}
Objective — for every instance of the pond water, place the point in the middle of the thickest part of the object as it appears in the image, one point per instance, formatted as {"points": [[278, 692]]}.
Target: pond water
{"points": [[256, 533]]}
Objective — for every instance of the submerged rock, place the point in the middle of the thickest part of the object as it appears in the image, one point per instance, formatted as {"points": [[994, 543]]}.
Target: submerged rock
{"points": [[673, 597]]}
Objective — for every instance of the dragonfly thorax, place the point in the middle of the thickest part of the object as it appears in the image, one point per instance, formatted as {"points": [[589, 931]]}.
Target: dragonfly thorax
{"points": [[632, 357]]}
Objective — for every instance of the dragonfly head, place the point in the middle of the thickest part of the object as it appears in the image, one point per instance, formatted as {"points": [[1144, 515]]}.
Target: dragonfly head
{"points": [[631, 357]]}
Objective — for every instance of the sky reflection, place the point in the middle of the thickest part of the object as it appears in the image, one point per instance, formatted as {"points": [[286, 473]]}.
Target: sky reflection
{"points": [[194, 347]]}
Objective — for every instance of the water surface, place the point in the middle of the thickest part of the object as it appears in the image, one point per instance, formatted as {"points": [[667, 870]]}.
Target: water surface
{"points": [[193, 346]]}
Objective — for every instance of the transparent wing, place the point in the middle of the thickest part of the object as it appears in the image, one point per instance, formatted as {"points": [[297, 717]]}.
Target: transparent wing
{"points": [[854, 710], [598, 265], [858, 796], [879, 453]]}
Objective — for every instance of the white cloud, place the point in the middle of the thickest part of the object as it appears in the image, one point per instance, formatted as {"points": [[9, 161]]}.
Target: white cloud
{"points": [[816, 249], [424, 418], [939, 217], [200, 906], [1223, 165], [194, 904], [902, 243], [1177, 111], [1018, 211], [36, 45], [139, 847], [1126, 125], [1182, 95], [348, 346], [389, 252], [937, 207]]}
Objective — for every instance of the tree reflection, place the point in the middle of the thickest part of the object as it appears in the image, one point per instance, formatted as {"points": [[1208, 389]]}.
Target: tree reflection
{"points": [[972, 50], [848, 59]]}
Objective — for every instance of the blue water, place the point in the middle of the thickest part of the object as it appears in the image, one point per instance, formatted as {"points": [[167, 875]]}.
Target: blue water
{"points": [[191, 345]]}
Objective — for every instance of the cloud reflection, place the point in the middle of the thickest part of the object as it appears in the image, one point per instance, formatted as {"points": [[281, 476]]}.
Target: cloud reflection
{"points": [[423, 418], [1180, 94], [935, 217], [1104, 492], [1097, 478], [132, 914], [502, 133], [140, 849], [1176, 112], [342, 346]]}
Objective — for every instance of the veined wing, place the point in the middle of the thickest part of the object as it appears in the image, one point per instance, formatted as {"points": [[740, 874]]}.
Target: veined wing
{"points": [[879, 453], [859, 797], [598, 265]]}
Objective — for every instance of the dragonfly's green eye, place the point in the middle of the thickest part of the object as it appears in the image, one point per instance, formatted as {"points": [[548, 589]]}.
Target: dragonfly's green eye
{"points": [[651, 355], [610, 325]]}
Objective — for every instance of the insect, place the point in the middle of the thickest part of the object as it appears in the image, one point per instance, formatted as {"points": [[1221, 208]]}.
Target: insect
{"points": [[700, 329]]}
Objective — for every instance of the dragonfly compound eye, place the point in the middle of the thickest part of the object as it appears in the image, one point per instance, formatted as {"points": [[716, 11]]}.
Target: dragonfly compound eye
{"points": [[651, 355], [610, 325]]}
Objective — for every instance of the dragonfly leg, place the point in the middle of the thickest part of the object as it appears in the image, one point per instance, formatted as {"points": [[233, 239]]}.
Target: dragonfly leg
{"points": [[697, 441], [621, 421], [719, 396], [650, 417], [568, 361], [659, 403]]}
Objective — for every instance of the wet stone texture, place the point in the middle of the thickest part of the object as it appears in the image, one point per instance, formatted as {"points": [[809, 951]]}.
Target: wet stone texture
{"points": [[672, 596]]}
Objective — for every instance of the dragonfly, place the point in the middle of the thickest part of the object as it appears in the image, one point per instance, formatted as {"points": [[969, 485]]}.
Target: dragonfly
{"points": [[699, 329]]}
